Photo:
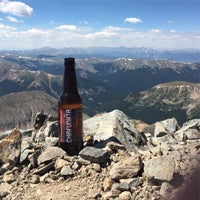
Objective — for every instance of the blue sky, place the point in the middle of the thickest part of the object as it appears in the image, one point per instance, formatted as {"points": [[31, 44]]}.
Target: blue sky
{"points": [[168, 24]]}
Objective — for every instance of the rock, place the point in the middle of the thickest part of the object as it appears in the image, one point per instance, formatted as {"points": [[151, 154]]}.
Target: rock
{"points": [[45, 126], [9, 178], [33, 158], [121, 186], [50, 153], [94, 155], [165, 127], [39, 120], [52, 129], [165, 190], [38, 123], [114, 146], [116, 125], [107, 184], [44, 169], [24, 155], [60, 163], [161, 168], [126, 195], [66, 171], [135, 182], [35, 179], [52, 141], [5, 167], [10, 148], [126, 168], [192, 124], [192, 134], [5, 189], [93, 194]]}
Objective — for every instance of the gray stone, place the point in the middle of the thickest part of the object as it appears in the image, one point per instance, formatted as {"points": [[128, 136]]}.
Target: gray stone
{"points": [[166, 189], [126, 168], [24, 155], [136, 182], [121, 187], [34, 157], [192, 134], [94, 155], [192, 124], [52, 141], [161, 168], [52, 129], [45, 126], [66, 171], [168, 126], [60, 163], [44, 169], [116, 125], [50, 153]]}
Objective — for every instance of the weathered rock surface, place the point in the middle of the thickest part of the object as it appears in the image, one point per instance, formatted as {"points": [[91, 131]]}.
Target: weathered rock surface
{"points": [[94, 155], [10, 148], [117, 162], [126, 168], [114, 125], [161, 168], [50, 153]]}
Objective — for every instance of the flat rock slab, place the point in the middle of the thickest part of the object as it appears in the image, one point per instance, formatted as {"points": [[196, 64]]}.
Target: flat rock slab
{"points": [[94, 155], [50, 153]]}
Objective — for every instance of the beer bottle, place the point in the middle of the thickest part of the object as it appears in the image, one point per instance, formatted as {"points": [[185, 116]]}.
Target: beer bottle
{"points": [[70, 111]]}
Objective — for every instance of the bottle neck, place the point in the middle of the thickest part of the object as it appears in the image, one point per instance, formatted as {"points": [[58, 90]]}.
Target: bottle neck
{"points": [[69, 81]]}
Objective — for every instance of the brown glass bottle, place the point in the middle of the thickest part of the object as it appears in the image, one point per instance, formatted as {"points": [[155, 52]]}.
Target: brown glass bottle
{"points": [[70, 111]]}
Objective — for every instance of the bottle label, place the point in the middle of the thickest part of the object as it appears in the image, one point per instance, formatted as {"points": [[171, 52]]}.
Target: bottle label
{"points": [[70, 125]]}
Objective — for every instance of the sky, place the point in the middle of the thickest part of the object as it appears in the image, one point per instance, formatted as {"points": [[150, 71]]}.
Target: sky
{"points": [[161, 24]]}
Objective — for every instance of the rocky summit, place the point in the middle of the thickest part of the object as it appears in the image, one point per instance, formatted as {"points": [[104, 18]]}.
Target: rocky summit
{"points": [[122, 159]]}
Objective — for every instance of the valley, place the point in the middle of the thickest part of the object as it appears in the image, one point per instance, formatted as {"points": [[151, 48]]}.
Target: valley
{"points": [[146, 89]]}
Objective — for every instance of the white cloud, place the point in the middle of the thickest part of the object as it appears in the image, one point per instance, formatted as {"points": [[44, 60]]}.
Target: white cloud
{"points": [[155, 30], [173, 31], [66, 27], [6, 28], [75, 36], [16, 8], [13, 19], [133, 20]]}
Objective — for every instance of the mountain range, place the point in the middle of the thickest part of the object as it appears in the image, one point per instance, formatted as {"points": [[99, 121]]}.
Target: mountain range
{"points": [[146, 89], [189, 55]]}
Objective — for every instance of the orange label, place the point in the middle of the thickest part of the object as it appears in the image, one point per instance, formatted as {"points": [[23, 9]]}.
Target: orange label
{"points": [[70, 125]]}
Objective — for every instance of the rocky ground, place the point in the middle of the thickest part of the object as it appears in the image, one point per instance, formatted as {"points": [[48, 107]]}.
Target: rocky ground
{"points": [[122, 159]]}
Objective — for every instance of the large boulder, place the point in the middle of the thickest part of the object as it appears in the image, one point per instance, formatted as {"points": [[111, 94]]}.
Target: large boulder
{"points": [[10, 148], [114, 125]]}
